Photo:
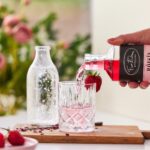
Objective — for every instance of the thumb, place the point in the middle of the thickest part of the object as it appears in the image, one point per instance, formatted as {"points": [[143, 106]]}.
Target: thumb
{"points": [[127, 38]]}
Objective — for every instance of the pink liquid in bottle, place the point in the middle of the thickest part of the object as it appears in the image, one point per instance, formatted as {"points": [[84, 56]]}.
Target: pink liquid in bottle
{"points": [[112, 67]]}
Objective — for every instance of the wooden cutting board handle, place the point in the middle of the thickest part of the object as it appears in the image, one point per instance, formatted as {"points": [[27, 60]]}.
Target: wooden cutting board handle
{"points": [[146, 134]]}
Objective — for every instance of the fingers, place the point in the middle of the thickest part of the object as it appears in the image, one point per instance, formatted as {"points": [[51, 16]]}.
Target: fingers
{"points": [[116, 41], [123, 83], [123, 39], [144, 85], [133, 85], [136, 37]]}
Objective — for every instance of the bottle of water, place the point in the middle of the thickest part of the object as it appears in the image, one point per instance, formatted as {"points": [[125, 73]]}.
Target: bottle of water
{"points": [[42, 89]]}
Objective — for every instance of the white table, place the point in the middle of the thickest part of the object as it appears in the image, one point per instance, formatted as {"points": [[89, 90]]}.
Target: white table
{"points": [[107, 118]]}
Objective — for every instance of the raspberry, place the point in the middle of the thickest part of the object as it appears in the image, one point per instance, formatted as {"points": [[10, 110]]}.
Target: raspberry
{"points": [[15, 138], [2, 140], [90, 79]]}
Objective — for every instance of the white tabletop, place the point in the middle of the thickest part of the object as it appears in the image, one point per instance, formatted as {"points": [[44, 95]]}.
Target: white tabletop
{"points": [[107, 118]]}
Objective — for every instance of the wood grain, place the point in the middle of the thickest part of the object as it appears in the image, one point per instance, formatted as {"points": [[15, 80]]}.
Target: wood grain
{"points": [[106, 134]]}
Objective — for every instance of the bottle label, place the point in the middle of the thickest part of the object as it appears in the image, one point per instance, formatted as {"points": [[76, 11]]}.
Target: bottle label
{"points": [[131, 62], [146, 68]]}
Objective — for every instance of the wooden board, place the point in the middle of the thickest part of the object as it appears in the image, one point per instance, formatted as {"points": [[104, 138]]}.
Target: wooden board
{"points": [[106, 134], [146, 134]]}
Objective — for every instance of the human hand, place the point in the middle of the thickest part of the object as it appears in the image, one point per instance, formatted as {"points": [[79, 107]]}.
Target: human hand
{"points": [[133, 85], [140, 37]]}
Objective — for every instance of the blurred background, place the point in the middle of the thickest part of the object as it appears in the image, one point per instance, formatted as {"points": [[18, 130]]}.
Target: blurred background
{"points": [[72, 27], [65, 25], [73, 16]]}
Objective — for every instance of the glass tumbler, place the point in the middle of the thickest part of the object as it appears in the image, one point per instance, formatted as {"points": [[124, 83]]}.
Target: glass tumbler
{"points": [[76, 106]]}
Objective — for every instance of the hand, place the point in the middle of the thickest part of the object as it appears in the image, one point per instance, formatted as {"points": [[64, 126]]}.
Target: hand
{"points": [[133, 85], [140, 37]]}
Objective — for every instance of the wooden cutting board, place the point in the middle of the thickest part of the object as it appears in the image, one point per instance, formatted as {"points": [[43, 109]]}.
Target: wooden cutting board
{"points": [[106, 134]]}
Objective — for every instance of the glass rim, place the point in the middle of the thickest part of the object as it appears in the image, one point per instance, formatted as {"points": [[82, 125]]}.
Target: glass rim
{"points": [[75, 83]]}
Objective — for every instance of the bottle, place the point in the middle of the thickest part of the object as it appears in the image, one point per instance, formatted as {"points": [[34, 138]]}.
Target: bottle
{"points": [[42, 89], [125, 63]]}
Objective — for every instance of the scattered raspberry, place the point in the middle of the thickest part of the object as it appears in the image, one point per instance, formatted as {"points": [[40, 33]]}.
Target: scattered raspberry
{"points": [[2, 140], [93, 79], [15, 138]]}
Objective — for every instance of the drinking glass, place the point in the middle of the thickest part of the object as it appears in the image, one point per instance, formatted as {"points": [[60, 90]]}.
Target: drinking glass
{"points": [[76, 106]]}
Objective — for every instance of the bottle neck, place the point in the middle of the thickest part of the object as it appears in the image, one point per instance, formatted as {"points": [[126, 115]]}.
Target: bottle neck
{"points": [[94, 62], [42, 56], [101, 62], [97, 62], [93, 57]]}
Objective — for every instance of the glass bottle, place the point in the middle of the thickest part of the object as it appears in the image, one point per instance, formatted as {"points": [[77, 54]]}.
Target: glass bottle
{"points": [[42, 89], [125, 63]]}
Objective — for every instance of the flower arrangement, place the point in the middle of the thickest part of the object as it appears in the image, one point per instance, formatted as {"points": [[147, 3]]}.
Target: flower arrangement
{"points": [[17, 41]]}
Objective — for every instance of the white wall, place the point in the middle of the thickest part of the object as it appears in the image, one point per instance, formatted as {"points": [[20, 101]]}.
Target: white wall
{"points": [[111, 18]]}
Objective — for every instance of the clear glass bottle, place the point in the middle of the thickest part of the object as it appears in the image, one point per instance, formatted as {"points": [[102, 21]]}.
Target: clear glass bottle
{"points": [[125, 63], [42, 89]]}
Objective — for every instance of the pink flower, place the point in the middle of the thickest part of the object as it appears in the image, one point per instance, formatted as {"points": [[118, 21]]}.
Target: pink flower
{"points": [[21, 33], [26, 2], [11, 21], [2, 61], [8, 30]]}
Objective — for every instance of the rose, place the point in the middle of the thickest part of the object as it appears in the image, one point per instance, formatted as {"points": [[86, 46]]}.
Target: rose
{"points": [[2, 61], [9, 22], [21, 33], [13, 26]]}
